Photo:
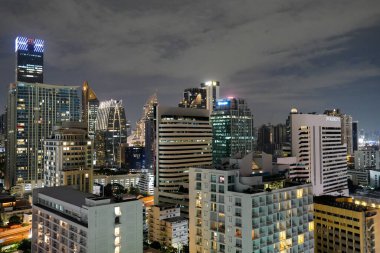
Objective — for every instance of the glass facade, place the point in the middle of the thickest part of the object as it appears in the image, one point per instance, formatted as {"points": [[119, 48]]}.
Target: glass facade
{"points": [[35, 109], [232, 126], [110, 133]]}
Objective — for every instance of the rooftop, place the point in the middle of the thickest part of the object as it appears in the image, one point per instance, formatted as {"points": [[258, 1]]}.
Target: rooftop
{"points": [[67, 194], [341, 202]]}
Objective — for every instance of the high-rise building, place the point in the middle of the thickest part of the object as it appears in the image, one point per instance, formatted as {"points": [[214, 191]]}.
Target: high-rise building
{"points": [[194, 98], [232, 127], [33, 110], [3, 123], [212, 93], [150, 131], [67, 220], [167, 227], [90, 105], [344, 226], [68, 157], [346, 126], [110, 133], [317, 144], [233, 211], [135, 158], [355, 136], [183, 140], [29, 60]]}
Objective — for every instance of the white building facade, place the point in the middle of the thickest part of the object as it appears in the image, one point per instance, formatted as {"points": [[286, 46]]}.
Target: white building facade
{"points": [[317, 144], [67, 220]]}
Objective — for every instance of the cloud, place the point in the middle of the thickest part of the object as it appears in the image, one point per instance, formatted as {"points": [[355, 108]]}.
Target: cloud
{"points": [[253, 47]]}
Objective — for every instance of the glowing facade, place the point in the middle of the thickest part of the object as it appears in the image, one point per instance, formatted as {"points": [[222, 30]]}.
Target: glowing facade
{"points": [[29, 60], [110, 133], [232, 126], [90, 105], [212, 93], [33, 111]]}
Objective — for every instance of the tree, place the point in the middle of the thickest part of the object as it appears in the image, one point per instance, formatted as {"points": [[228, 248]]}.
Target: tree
{"points": [[25, 245], [14, 220], [134, 190], [155, 245], [185, 249]]}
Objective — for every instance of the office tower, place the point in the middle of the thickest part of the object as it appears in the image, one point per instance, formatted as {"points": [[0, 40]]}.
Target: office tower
{"points": [[167, 227], [264, 139], [212, 93], [68, 157], [232, 128], [346, 126], [150, 131], [29, 60], [233, 211], [90, 105], [317, 143], [194, 98], [343, 226], [135, 158], [33, 110], [110, 133], [67, 220], [183, 140], [367, 158], [355, 136], [3, 123]]}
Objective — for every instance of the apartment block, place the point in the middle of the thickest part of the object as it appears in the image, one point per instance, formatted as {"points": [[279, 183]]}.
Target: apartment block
{"points": [[234, 211], [344, 226], [167, 227], [68, 220]]}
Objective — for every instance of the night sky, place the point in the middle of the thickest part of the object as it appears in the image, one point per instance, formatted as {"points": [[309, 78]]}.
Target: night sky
{"points": [[312, 55]]}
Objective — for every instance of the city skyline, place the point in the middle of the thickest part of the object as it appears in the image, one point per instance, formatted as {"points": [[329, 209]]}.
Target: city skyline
{"points": [[264, 53]]}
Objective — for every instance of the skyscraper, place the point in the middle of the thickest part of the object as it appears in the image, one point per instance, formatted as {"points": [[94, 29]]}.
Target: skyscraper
{"points": [[317, 144], [212, 93], [33, 110], [194, 98], [29, 60], [183, 139], [90, 105], [232, 127], [110, 133]]}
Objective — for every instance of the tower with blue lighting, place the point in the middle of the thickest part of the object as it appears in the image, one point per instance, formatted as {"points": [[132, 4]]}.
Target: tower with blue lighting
{"points": [[232, 129], [29, 60]]}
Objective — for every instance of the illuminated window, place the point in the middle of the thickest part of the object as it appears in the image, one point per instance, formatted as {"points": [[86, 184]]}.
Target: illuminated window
{"points": [[299, 193], [117, 249], [117, 240], [117, 231], [300, 239], [311, 226], [117, 211]]}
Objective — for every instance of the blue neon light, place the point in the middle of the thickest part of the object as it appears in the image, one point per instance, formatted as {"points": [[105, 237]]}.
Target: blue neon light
{"points": [[21, 43], [222, 102]]}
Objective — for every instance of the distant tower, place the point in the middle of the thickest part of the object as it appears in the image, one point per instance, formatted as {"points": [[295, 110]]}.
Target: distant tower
{"points": [[110, 133], [29, 60], [90, 105], [232, 127], [212, 93], [194, 98]]}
